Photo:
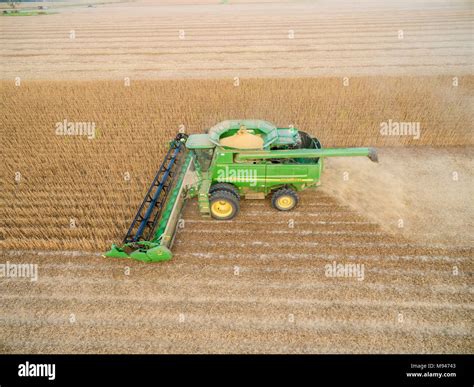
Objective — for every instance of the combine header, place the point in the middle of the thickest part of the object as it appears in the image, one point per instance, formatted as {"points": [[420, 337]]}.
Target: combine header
{"points": [[236, 159]]}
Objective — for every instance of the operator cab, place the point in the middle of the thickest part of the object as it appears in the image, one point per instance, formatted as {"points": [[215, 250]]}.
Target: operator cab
{"points": [[202, 148]]}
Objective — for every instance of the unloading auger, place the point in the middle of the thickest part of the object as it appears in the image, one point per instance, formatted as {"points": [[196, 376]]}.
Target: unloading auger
{"points": [[235, 159]]}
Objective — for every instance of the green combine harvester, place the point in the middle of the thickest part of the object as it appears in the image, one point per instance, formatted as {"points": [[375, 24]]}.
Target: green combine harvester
{"points": [[235, 159]]}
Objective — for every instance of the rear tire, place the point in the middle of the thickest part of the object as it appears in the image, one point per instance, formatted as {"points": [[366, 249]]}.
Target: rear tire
{"points": [[284, 199], [225, 187], [223, 205]]}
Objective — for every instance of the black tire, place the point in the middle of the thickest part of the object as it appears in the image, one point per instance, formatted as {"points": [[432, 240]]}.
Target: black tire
{"points": [[306, 141], [223, 205], [284, 193], [225, 187]]}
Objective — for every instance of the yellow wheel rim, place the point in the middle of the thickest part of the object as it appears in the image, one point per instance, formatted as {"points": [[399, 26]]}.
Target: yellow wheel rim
{"points": [[285, 202], [221, 208]]}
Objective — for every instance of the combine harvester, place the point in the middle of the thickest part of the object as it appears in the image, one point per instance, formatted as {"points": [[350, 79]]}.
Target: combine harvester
{"points": [[236, 159]]}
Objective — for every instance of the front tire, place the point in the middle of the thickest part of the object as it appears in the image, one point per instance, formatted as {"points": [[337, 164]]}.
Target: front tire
{"points": [[223, 205], [285, 199]]}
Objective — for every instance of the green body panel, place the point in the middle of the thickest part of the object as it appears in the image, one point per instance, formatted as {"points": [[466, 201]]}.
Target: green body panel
{"points": [[280, 163], [116, 252], [263, 175], [266, 170], [156, 254], [203, 194], [146, 252]]}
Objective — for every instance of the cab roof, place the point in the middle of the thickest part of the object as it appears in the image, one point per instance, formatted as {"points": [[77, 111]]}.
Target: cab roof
{"points": [[199, 141]]}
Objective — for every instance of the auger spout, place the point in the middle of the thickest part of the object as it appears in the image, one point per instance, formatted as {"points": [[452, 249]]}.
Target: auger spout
{"points": [[371, 153]]}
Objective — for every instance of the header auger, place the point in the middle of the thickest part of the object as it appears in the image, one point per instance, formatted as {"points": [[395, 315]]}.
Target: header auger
{"points": [[236, 159]]}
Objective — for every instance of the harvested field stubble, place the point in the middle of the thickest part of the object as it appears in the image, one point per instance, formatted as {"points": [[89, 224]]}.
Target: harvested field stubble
{"points": [[150, 39], [249, 291]]}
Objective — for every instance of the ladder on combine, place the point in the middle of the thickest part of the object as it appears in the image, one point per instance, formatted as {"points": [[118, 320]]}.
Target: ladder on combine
{"points": [[152, 230]]}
